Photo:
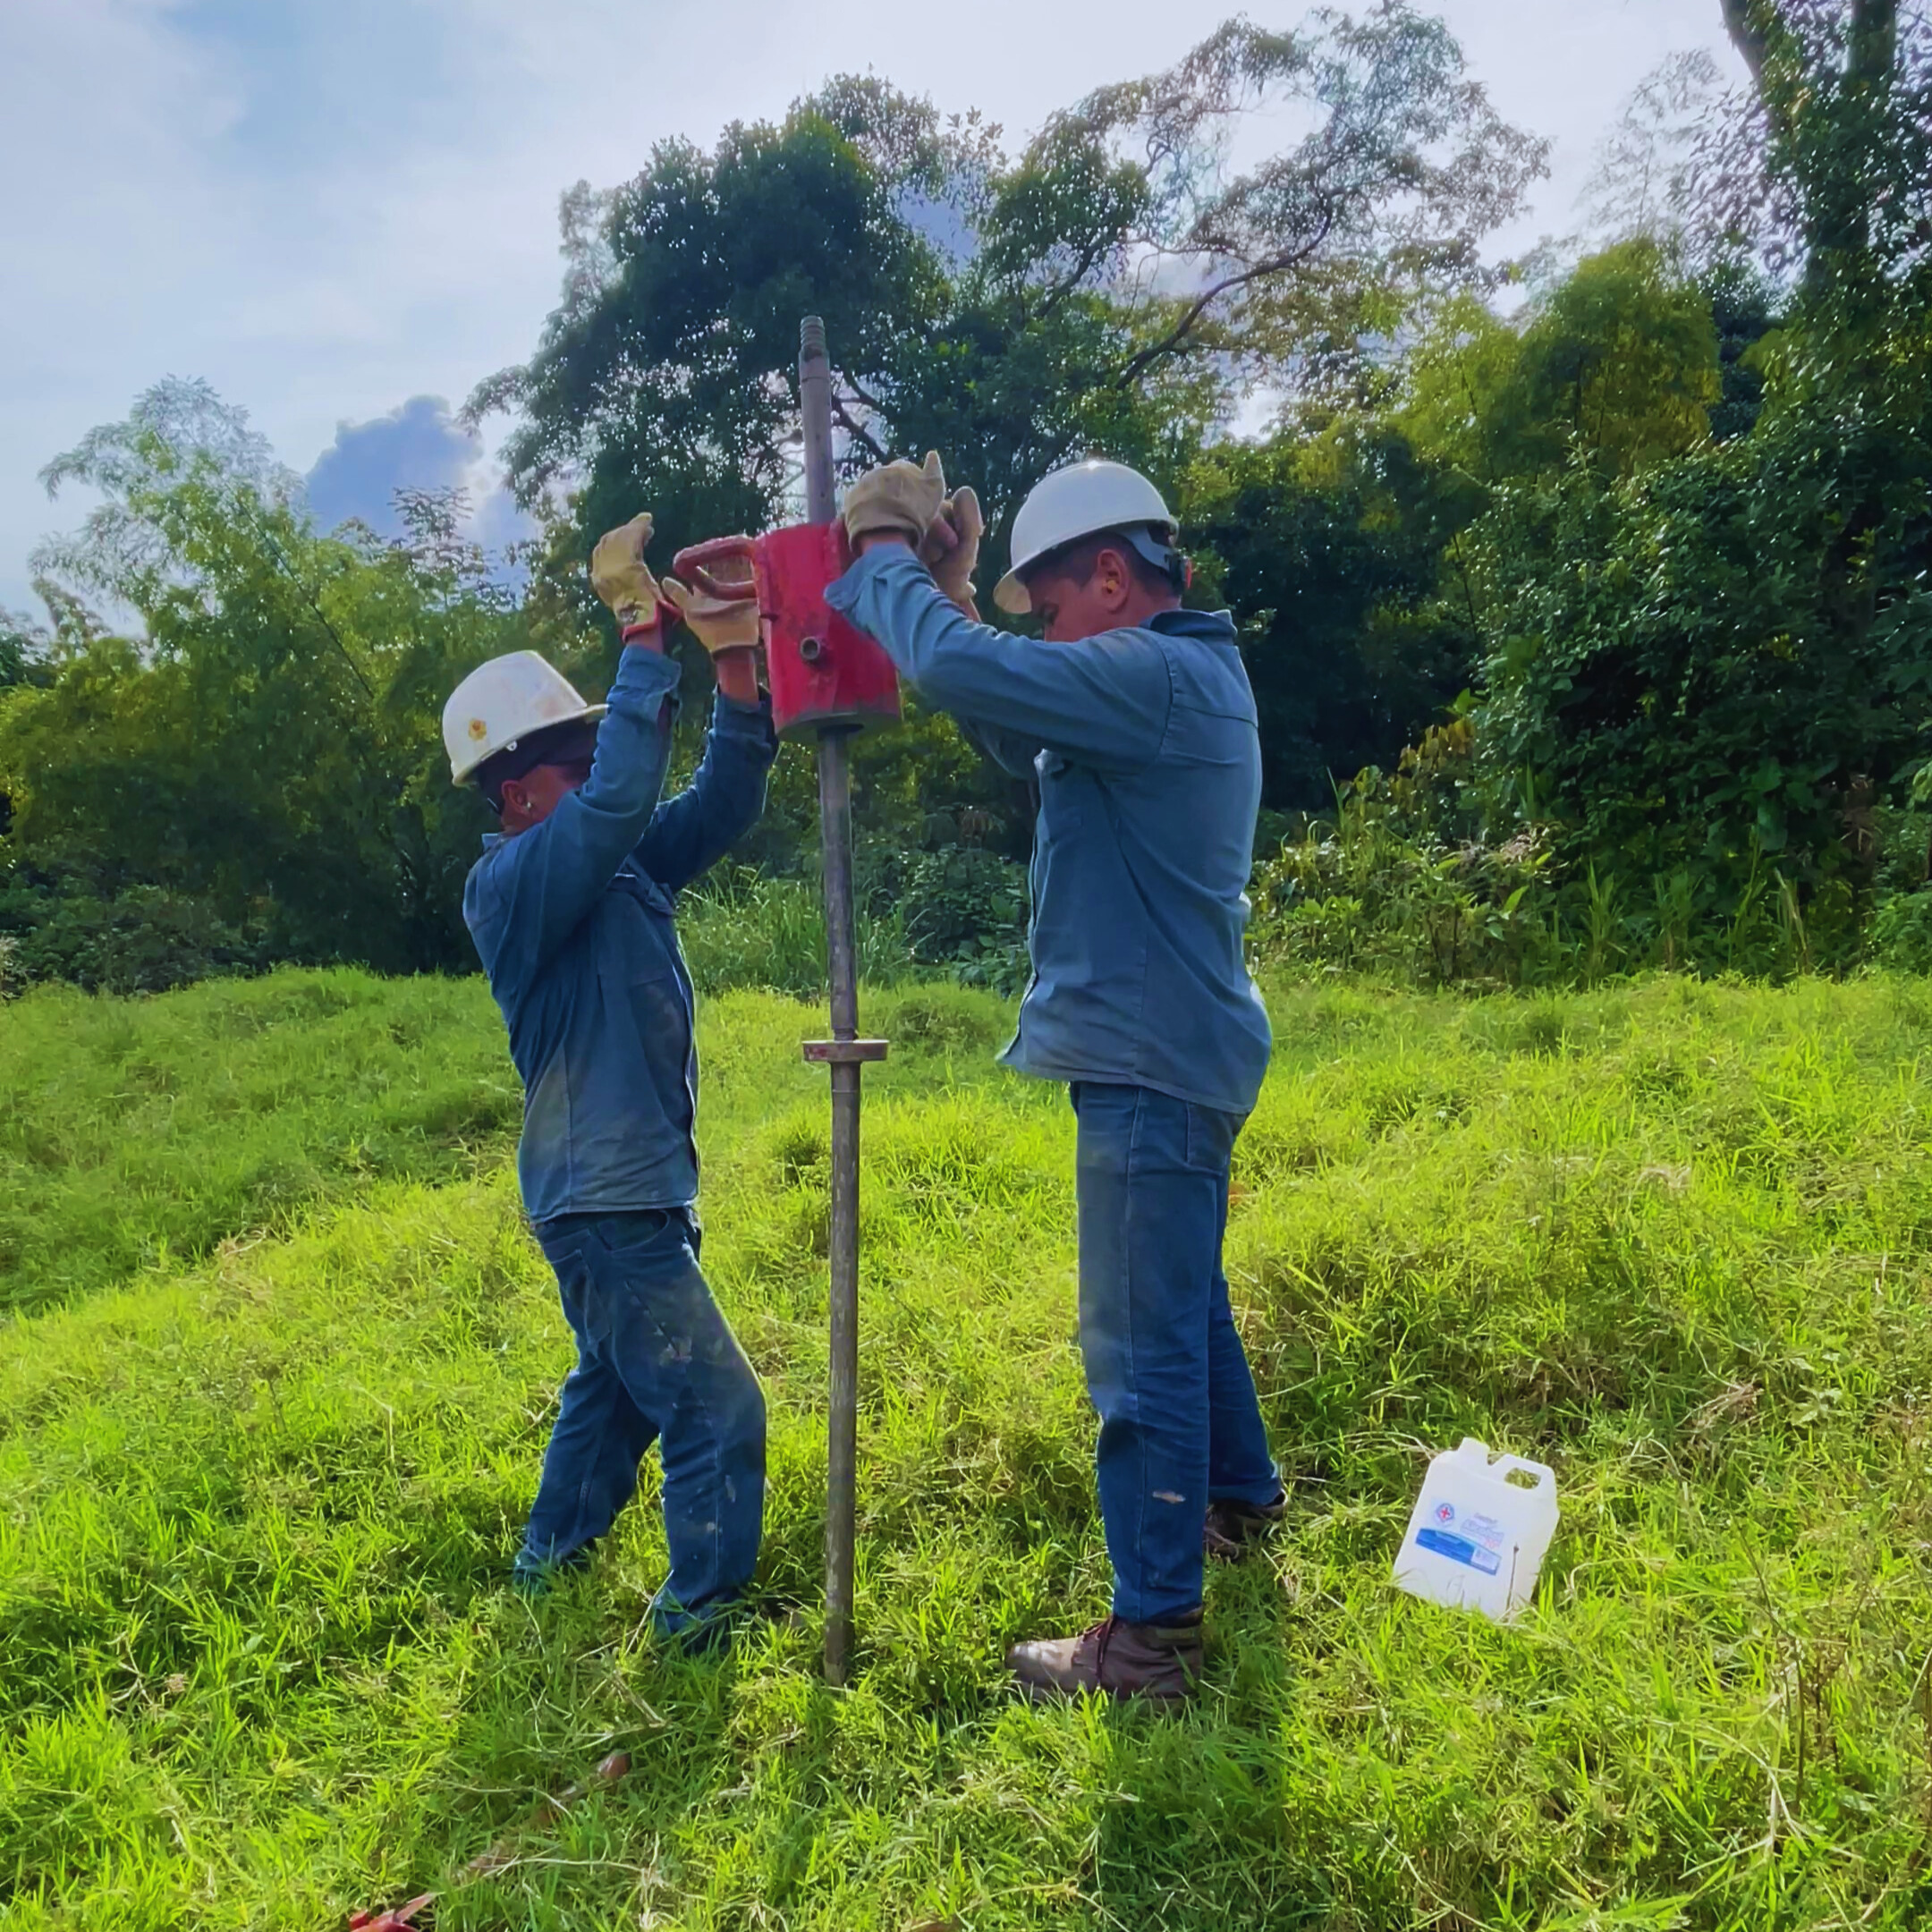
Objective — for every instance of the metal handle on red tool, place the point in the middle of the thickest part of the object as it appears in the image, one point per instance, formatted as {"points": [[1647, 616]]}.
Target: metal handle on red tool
{"points": [[722, 568]]}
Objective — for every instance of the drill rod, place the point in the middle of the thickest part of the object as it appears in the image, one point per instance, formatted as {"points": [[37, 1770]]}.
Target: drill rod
{"points": [[834, 829]]}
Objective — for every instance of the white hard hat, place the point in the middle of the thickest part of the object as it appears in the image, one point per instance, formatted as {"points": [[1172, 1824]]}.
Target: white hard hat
{"points": [[505, 700], [1080, 501]]}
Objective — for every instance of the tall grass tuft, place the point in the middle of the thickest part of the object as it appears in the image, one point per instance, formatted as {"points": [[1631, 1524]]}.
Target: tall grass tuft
{"points": [[742, 929]]}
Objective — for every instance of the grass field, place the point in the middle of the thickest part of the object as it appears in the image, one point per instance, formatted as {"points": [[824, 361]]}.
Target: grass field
{"points": [[138, 1133], [272, 1408]]}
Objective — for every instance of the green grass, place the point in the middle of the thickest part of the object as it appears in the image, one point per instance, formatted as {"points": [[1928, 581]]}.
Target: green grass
{"points": [[740, 929], [257, 1666], [134, 1132]]}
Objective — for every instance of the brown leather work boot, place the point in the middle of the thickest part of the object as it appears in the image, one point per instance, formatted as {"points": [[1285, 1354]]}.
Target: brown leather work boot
{"points": [[1233, 1528], [1160, 1662]]}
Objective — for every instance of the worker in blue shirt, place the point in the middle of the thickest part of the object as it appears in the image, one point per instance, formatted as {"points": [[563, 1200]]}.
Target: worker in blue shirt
{"points": [[1136, 718], [571, 907]]}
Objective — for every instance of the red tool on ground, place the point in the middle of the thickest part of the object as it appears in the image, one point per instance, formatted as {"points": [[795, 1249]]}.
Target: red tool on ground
{"points": [[401, 1919], [830, 680]]}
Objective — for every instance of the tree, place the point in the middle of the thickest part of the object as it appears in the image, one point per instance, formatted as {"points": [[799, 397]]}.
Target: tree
{"points": [[1615, 367], [1343, 552], [1118, 283], [1818, 166], [1333, 554], [1378, 211], [259, 768], [1841, 110], [661, 377], [1703, 667], [24, 647], [1707, 666]]}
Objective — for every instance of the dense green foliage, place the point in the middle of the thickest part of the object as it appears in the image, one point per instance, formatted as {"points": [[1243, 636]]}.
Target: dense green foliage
{"points": [[258, 1665], [1614, 369], [1738, 656], [1719, 661], [259, 778], [1335, 557], [1653, 526]]}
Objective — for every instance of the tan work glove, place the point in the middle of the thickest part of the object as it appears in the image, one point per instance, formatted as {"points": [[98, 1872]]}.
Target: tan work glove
{"points": [[718, 623], [621, 577], [951, 546], [898, 498]]}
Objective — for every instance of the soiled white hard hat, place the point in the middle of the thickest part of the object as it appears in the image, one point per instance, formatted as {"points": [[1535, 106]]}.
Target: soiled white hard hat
{"points": [[1080, 501], [502, 701]]}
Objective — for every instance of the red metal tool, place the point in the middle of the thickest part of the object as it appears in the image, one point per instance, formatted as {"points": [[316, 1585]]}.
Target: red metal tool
{"points": [[401, 1919], [825, 675]]}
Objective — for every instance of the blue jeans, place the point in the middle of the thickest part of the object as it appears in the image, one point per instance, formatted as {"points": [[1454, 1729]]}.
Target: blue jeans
{"points": [[1179, 1421], [656, 1362]]}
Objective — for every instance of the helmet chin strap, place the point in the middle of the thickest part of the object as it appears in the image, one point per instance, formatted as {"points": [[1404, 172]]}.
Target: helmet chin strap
{"points": [[1178, 570]]}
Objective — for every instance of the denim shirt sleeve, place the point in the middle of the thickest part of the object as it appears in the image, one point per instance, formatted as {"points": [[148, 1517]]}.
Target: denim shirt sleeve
{"points": [[521, 907], [1103, 701], [690, 833]]}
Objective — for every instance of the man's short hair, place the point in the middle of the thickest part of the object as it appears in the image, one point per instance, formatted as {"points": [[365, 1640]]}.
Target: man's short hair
{"points": [[555, 744], [1080, 558]]}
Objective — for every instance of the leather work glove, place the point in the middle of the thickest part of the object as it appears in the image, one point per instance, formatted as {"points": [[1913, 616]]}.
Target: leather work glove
{"points": [[621, 577], [718, 623], [727, 626], [898, 499], [951, 546]]}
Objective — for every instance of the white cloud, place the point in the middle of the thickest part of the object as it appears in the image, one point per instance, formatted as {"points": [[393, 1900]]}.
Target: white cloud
{"points": [[327, 205]]}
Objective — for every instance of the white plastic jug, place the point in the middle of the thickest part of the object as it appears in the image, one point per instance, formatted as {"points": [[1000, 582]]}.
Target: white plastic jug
{"points": [[1476, 1539]]}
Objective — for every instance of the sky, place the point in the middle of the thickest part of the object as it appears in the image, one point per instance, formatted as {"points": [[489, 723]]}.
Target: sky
{"points": [[343, 213]]}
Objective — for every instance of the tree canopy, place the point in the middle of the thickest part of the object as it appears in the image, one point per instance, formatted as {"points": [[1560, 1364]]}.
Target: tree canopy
{"points": [[1616, 561], [1119, 282]]}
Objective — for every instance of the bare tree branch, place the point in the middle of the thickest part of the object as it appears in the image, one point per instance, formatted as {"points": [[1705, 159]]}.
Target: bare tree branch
{"points": [[1748, 37], [1098, 247], [856, 430], [871, 402], [1190, 316]]}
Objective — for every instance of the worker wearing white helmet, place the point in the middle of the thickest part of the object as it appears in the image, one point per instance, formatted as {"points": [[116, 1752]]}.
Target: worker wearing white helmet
{"points": [[1087, 499], [571, 908], [1136, 717]]}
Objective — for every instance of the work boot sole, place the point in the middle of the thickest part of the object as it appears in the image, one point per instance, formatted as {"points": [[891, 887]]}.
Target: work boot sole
{"points": [[1159, 1700]]}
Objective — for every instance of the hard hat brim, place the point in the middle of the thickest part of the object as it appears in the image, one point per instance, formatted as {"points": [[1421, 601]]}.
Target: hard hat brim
{"points": [[1012, 594]]}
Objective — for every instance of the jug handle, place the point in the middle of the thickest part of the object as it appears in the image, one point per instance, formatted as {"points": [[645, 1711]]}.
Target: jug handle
{"points": [[1545, 1476]]}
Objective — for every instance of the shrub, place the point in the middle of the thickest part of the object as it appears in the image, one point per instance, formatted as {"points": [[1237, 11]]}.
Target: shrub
{"points": [[1901, 932], [146, 939], [963, 909], [1399, 884]]}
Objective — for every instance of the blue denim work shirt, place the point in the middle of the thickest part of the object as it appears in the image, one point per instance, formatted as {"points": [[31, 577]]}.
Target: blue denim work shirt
{"points": [[573, 921], [1148, 758]]}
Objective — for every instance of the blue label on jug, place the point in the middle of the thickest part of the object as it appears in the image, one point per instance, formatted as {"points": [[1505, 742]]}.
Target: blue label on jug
{"points": [[1459, 1549]]}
